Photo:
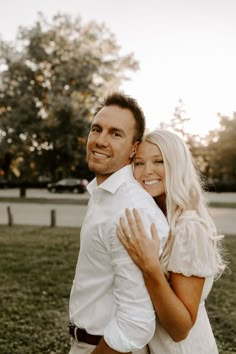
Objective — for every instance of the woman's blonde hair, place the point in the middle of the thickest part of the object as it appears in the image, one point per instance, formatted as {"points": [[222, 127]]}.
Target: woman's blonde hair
{"points": [[183, 187]]}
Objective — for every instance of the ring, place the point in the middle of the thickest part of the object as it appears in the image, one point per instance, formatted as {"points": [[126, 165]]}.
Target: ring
{"points": [[128, 236]]}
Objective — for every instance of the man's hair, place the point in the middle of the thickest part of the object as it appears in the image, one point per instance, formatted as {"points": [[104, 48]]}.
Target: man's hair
{"points": [[123, 101]]}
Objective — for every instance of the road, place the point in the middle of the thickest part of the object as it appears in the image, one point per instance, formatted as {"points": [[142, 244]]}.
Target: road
{"points": [[39, 214], [41, 193], [73, 215]]}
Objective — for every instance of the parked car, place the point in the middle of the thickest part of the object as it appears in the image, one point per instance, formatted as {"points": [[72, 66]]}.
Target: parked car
{"points": [[73, 185], [3, 183]]}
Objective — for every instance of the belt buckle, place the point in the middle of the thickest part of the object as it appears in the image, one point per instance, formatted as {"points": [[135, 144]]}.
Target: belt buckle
{"points": [[77, 333], [81, 335]]}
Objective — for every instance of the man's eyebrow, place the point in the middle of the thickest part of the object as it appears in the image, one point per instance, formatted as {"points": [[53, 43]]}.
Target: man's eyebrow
{"points": [[119, 130], [111, 129], [95, 125]]}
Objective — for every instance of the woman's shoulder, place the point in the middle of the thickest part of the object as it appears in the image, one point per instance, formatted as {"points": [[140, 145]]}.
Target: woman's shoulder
{"points": [[192, 249], [191, 221]]}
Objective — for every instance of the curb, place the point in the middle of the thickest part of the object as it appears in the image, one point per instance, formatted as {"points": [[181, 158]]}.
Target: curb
{"points": [[227, 205]]}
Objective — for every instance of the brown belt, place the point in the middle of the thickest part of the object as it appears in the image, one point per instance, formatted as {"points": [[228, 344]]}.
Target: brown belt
{"points": [[82, 336]]}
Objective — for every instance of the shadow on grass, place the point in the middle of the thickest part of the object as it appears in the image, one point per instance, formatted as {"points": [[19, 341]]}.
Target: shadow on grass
{"points": [[37, 268]]}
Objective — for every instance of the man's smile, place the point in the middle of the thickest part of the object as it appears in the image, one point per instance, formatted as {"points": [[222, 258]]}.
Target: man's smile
{"points": [[100, 155]]}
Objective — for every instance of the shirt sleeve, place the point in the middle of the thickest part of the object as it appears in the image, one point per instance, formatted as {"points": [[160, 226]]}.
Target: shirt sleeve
{"points": [[134, 322], [192, 251], [133, 325]]}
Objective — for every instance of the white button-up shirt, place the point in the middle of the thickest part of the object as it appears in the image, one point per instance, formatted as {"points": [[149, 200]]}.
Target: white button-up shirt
{"points": [[108, 295]]}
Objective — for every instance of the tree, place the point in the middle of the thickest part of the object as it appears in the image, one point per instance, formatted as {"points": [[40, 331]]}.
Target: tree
{"points": [[51, 79], [216, 156], [224, 144], [179, 120]]}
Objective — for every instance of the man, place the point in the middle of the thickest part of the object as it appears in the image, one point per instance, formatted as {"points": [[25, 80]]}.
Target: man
{"points": [[110, 309]]}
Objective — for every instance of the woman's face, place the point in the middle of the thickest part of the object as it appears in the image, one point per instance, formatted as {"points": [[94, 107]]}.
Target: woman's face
{"points": [[149, 168]]}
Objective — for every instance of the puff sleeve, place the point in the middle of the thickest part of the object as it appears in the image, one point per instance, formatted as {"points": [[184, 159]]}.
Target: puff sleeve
{"points": [[192, 249]]}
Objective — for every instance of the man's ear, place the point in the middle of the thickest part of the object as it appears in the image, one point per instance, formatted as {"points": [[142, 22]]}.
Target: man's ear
{"points": [[135, 146]]}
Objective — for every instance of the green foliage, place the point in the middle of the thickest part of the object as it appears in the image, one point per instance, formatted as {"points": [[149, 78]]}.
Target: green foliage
{"points": [[216, 155], [225, 149], [51, 80], [37, 268]]}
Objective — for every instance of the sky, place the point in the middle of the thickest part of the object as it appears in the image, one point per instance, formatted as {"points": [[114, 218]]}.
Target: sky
{"points": [[186, 50]]}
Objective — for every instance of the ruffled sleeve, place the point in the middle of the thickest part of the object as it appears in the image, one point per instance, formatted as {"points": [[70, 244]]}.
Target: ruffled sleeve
{"points": [[192, 249]]}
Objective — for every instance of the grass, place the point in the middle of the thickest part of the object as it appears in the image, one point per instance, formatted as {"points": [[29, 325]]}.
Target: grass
{"points": [[221, 303], [37, 268]]}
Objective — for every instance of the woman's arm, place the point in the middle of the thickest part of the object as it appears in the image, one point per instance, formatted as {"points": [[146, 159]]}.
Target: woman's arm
{"points": [[176, 305], [176, 302]]}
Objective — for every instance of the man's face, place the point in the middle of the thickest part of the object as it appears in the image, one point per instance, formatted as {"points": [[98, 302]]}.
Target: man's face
{"points": [[110, 142]]}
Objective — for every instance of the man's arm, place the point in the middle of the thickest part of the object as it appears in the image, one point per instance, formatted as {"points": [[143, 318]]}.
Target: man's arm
{"points": [[103, 348], [133, 323]]}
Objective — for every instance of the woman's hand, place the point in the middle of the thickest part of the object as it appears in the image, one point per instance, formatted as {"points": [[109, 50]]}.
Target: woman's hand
{"points": [[143, 250]]}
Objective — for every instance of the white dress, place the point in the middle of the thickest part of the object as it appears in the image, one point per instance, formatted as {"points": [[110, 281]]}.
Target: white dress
{"points": [[192, 254]]}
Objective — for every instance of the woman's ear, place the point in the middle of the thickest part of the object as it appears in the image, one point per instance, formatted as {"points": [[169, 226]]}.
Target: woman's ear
{"points": [[135, 146]]}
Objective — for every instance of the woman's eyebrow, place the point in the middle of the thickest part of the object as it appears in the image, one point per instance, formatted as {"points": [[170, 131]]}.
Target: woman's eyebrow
{"points": [[158, 156], [153, 156]]}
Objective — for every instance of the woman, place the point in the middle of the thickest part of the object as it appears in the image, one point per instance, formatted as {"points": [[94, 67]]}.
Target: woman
{"points": [[180, 280]]}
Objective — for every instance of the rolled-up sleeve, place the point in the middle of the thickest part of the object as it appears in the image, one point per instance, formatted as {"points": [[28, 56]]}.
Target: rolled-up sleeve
{"points": [[134, 322]]}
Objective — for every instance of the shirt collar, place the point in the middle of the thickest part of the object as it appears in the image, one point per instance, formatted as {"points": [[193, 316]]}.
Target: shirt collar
{"points": [[112, 183]]}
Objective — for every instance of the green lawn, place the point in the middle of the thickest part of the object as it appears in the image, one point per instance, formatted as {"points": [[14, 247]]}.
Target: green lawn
{"points": [[37, 268]]}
